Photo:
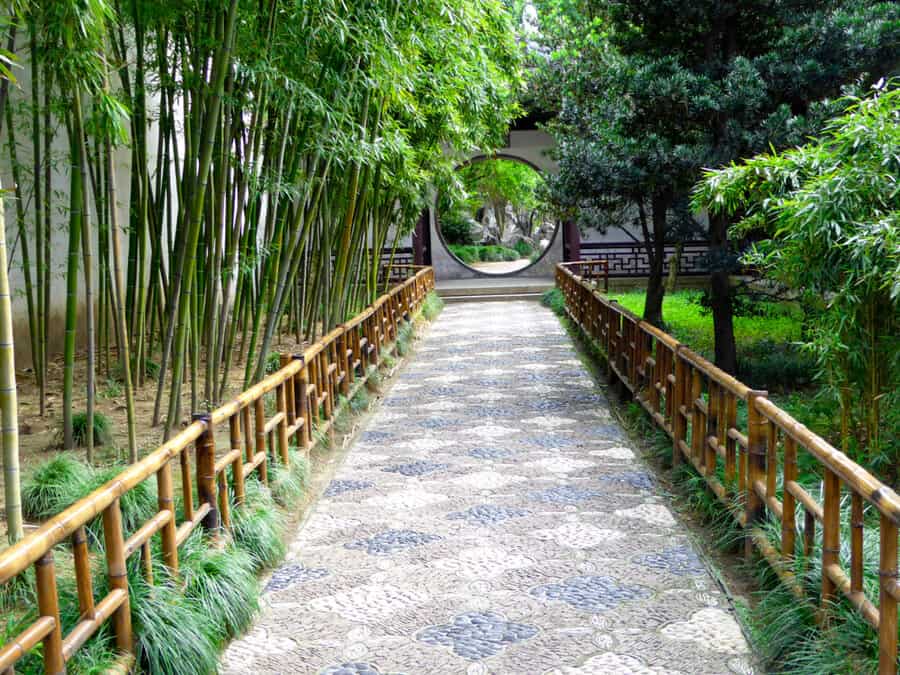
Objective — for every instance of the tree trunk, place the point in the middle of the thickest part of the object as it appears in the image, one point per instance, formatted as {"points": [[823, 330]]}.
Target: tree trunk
{"points": [[720, 295], [655, 246], [12, 493]]}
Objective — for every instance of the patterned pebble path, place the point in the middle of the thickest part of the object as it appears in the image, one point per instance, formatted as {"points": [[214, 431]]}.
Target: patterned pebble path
{"points": [[493, 518]]}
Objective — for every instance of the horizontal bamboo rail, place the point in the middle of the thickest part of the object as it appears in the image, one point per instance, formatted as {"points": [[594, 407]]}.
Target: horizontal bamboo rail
{"points": [[755, 468], [306, 388]]}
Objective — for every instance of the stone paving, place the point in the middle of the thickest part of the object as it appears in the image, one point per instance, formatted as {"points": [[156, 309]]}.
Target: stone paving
{"points": [[493, 518]]}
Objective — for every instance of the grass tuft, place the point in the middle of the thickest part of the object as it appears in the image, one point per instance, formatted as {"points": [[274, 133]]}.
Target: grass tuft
{"points": [[432, 306], [288, 484], [55, 485], [174, 635], [101, 426], [258, 526], [223, 582], [553, 298]]}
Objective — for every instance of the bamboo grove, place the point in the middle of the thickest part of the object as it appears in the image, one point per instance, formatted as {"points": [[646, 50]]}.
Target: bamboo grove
{"points": [[264, 154]]}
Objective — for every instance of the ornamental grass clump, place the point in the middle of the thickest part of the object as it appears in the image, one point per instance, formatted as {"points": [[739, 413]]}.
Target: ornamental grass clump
{"points": [[257, 526], [288, 484], [55, 485], [222, 581]]}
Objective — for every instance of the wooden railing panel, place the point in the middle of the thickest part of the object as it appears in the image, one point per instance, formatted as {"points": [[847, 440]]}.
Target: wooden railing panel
{"points": [[304, 391], [753, 470]]}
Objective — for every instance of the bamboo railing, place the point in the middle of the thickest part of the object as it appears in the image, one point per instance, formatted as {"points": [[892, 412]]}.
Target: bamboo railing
{"points": [[752, 470], [305, 389]]}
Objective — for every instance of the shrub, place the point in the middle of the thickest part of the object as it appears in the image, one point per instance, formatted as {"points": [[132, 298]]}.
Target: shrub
{"points": [[273, 362], [523, 248], [458, 229]]}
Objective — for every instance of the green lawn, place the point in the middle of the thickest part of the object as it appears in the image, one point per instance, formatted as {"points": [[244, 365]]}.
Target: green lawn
{"points": [[768, 354]]}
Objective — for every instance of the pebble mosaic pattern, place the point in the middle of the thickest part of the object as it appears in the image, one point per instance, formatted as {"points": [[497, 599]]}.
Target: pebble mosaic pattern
{"points": [[493, 518]]}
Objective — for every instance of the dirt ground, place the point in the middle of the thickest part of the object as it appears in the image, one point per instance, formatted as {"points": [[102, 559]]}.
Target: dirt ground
{"points": [[40, 438]]}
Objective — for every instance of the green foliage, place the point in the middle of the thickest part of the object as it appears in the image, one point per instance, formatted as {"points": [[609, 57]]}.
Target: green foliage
{"points": [[432, 306], [288, 485], [405, 336], [258, 526], [222, 582], [112, 390], [830, 210], [55, 485], [360, 400], [102, 429], [769, 354], [554, 299], [458, 229], [492, 253], [174, 635], [523, 248], [273, 362]]}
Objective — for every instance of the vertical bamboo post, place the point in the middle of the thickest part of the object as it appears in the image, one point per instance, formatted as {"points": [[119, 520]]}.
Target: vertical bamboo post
{"points": [[165, 500], [887, 627], [303, 404], [731, 446], [83, 582], [697, 428], [679, 423], [48, 605], [756, 464], [856, 542], [710, 456], [206, 472], [789, 503], [344, 362], [237, 467], [187, 490], [224, 506], [117, 572], [260, 423], [248, 434], [281, 405], [831, 533]]}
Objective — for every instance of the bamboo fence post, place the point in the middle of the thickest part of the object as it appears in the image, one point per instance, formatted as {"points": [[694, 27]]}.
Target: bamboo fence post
{"points": [[303, 403], [260, 420], [237, 468], [117, 572], [281, 405], [710, 456], [165, 501], [679, 422], [48, 605], [83, 582], [248, 434], [343, 363], [856, 542], [187, 492], [206, 473], [697, 440], [754, 508], [888, 578], [831, 535], [789, 503], [289, 387], [731, 445]]}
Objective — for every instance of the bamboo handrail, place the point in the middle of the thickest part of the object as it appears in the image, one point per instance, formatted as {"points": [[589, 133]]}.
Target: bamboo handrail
{"points": [[320, 368], [696, 404]]}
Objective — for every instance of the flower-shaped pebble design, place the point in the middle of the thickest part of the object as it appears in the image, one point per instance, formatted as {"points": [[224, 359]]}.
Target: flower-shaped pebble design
{"points": [[417, 468], [565, 494], [477, 635], [356, 668], [591, 593], [339, 487], [680, 561], [288, 575], [489, 453], [487, 514], [391, 541]]}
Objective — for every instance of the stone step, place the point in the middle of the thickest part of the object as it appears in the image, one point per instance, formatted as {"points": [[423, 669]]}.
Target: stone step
{"points": [[491, 297]]}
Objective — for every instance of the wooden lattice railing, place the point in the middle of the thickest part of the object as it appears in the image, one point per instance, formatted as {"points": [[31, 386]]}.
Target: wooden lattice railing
{"points": [[752, 467], [305, 389]]}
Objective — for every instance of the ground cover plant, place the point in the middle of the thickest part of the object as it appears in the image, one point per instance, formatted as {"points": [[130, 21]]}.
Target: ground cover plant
{"points": [[485, 253]]}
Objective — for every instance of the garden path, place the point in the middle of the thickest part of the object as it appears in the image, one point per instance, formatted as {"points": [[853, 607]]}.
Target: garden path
{"points": [[493, 518]]}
